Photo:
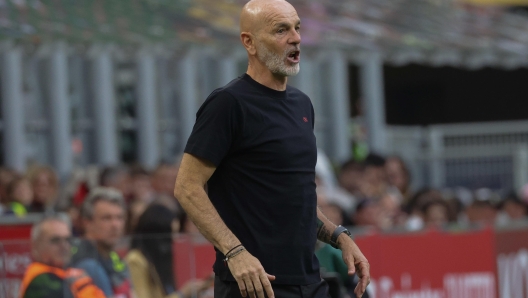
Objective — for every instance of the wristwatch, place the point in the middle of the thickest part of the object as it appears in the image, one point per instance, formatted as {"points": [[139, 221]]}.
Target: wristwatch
{"points": [[336, 233]]}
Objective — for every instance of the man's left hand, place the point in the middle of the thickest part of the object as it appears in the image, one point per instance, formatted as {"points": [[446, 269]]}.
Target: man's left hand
{"points": [[356, 262]]}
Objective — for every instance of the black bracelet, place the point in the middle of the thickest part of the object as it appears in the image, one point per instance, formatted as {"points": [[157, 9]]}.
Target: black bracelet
{"points": [[232, 255], [232, 249]]}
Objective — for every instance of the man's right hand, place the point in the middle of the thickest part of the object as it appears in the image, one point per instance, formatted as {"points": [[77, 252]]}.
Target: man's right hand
{"points": [[250, 276]]}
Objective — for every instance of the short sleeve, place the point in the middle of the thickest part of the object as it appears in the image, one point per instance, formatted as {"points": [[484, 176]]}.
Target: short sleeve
{"points": [[217, 125], [313, 115]]}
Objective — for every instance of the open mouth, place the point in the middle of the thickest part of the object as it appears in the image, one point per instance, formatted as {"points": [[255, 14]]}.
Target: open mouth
{"points": [[294, 56]]}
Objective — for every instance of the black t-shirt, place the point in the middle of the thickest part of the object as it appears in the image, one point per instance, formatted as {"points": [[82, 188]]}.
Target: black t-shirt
{"points": [[263, 146]]}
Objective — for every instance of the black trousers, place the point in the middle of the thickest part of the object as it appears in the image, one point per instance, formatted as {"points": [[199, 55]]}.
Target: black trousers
{"points": [[229, 289]]}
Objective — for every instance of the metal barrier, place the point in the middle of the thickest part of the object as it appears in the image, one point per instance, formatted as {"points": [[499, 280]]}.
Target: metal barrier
{"points": [[493, 155]]}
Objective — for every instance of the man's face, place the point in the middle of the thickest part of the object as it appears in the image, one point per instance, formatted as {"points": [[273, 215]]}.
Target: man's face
{"points": [[44, 188], [436, 215], [278, 42], [369, 215], [53, 246], [107, 224]]}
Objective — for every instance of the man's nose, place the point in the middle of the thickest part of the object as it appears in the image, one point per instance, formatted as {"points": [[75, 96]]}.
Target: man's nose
{"points": [[295, 37]]}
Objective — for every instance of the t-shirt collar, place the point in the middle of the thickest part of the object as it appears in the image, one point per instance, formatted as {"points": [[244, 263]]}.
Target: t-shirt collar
{"points": [[264, 89]]}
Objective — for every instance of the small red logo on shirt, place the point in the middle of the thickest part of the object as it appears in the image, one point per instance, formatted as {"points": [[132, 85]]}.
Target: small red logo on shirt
{"points": [[305, 119]]}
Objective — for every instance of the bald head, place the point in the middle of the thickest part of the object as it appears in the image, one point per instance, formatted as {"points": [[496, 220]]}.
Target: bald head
{"points": [[270, 32], [258, 13]]}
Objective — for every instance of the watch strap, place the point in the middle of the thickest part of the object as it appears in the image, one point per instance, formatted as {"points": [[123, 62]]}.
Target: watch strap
{"points": [[333, 239]]}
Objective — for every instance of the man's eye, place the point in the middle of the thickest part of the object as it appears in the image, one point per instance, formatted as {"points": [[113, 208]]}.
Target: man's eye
{"points": [[280, 30]]}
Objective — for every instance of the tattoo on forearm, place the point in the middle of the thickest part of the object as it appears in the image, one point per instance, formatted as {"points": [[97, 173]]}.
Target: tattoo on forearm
{"points": [[323, 234]]}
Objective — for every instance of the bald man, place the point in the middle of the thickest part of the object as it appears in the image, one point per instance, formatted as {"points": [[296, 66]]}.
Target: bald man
{"points": [[253, 146]]}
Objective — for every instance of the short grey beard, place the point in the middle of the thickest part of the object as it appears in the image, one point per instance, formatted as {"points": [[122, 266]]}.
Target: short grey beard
{"points": [[275, 63]]}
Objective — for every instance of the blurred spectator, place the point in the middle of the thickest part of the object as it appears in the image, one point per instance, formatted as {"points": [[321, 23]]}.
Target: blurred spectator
{"points": [[45, 184], [414, 207], [399, 176], [512, 209], [140, 185], [134, 211], [435, 213], [523, 194], [47, 276], [374, 177], [482, 210], [334, 213], [389, 209], [351, 177], [141, 195], [331, 209], [367, 214], [103, 214], [20, 196], [116, 177], [6, 176], [151, 257], [164, 177]]}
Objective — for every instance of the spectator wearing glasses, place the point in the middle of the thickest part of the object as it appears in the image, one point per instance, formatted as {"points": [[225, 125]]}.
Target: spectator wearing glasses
{"points": [[48, 276]]}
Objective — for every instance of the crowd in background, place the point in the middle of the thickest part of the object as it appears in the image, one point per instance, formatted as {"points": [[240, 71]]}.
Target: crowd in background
{"points": [[40, 190], [373, 193], [382, 198]]}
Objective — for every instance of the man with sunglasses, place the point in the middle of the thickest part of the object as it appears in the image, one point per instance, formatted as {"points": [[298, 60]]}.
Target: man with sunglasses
{"points": [[48, 276]]}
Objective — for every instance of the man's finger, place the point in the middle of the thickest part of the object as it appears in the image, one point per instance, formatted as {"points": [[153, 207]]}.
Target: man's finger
{"points": [[270, 277], [250, 288], [259, 288], [364, 278], [265, 280], [242, 287], [361, 287], [351, 266], [358, 291]]}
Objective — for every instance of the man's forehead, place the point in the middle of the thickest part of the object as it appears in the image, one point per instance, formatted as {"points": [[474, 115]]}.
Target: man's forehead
{"points": [[277, 15], [52, 228]]}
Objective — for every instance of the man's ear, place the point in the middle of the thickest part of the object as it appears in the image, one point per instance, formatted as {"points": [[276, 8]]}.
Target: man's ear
{"points": [[248, 41]]}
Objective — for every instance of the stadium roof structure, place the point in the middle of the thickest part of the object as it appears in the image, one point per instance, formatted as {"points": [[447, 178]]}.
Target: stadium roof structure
{"points": [[437, 32]]}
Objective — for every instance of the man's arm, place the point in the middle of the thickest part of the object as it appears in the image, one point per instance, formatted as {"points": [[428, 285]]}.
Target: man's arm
{"points": [[352, 255], [189, 190]]}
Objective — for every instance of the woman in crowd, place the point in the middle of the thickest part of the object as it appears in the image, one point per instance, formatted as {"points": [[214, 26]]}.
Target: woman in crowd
{"points": [[398, 175], [45, 184], [20, 196], [150, 259]]}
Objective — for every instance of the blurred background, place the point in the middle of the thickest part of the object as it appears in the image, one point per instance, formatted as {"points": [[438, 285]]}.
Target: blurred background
{"points": [[420, 124]]}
